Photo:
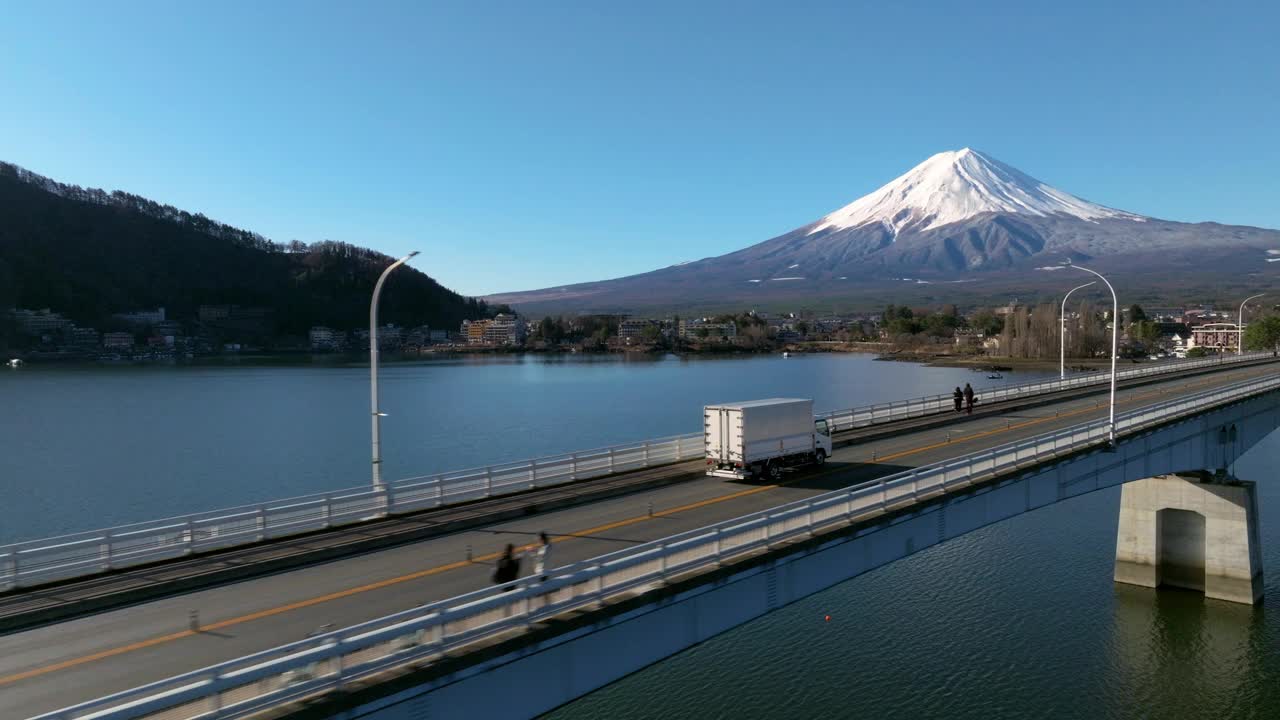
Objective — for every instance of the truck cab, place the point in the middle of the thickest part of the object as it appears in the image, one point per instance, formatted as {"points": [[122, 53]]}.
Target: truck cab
{"points": [[823, 430]]}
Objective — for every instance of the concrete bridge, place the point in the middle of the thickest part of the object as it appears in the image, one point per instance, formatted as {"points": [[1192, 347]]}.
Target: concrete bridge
{"points": [[414, 630]]}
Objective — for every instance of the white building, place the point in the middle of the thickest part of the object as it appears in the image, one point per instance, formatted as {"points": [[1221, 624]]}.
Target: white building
{"points": [[117, 341], [505, 329], [40, 322], [703, 330], [323, 338], [142, 317]]}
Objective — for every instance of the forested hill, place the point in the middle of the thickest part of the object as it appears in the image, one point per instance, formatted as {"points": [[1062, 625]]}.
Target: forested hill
{"points": [[88, 254]]}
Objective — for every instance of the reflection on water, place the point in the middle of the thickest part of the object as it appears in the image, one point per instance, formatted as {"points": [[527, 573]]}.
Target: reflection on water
{"points": [[1175, 649]]}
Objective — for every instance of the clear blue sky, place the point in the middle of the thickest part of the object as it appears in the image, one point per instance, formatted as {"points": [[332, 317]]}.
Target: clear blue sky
{"points": [[529, 144]]}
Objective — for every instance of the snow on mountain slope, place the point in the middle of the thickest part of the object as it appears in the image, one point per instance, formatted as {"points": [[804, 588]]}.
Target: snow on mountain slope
{"points": [[954, 186], [955, 216]]}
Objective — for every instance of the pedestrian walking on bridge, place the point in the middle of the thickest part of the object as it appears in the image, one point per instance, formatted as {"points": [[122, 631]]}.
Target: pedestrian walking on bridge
{"points": [[542, 560], [508, 567], [958, 397], [969, 397]]}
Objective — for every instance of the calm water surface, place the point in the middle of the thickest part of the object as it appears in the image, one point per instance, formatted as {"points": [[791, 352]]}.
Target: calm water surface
{"points": [[1020, 619], [88, 447]]}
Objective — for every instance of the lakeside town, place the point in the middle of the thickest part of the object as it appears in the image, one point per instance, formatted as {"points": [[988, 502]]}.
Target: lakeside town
{"points": [[1013, 331]]}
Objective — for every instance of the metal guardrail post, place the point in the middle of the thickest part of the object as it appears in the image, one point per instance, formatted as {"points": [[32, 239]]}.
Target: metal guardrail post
{"points": [[488, 481], [104, 550], [340, 663], [262, 522], [610, 460], [328, 510], [215, 698], [191, 536], [533, 474], [10, 559], [645, 455]]}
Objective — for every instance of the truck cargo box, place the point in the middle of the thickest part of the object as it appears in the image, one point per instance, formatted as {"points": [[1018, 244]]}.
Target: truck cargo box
{"points": [[760, 430]]}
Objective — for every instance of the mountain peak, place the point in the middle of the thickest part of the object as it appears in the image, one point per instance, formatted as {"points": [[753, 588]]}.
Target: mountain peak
{"points": [[956, 185]]}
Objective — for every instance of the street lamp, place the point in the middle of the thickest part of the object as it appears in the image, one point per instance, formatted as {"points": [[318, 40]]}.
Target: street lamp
{"points": [[1240, 324], [378, 485], [1062, 343], [1115, 335]]}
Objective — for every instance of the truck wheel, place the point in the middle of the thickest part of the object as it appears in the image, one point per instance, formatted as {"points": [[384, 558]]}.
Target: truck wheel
{"points": [[774, 470], [820, 457]]}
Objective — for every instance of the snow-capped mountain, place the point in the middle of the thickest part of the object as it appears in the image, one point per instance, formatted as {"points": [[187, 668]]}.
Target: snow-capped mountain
{"points": [[957, 217], [957, 185]]}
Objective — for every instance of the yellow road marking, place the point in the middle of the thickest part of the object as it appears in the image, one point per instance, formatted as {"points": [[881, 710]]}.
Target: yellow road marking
{"points": [[357, 590], [36, 672]]}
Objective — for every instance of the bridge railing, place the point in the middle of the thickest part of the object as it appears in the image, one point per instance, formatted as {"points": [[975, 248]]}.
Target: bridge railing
{"points": [[41, 561], [246, 685], [35, 562], [944, 403]]}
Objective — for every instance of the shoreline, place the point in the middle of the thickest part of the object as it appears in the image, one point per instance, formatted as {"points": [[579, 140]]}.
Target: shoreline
{"points": [[882, 351]]}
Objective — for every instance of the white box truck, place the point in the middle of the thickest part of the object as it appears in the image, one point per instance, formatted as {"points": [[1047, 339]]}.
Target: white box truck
{"points": [[761, 437]]}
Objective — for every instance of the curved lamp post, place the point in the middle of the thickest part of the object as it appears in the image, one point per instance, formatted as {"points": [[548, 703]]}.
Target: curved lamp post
{"points": [[1062, 343], [1115, 330], [1240, 324], [378, 485]]}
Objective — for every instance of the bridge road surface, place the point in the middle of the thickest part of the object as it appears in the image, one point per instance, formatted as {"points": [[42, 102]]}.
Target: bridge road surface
{"points": [[54, 666]]}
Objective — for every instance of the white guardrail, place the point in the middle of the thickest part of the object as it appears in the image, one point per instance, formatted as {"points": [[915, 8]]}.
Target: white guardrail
{"points": [[935, 404], [34, 562], [240, 687]]}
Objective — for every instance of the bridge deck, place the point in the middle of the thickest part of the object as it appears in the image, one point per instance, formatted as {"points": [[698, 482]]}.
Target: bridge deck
{"points": [[50, 667]]}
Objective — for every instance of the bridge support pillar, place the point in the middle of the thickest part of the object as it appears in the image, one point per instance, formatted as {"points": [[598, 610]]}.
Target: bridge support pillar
{"points": [[1191, 531]]}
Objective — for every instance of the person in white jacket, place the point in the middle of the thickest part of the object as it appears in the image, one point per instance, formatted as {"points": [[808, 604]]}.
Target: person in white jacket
{"points": [[542, 560]]}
